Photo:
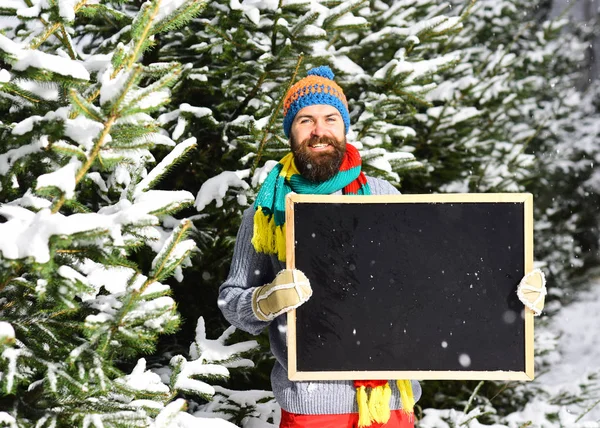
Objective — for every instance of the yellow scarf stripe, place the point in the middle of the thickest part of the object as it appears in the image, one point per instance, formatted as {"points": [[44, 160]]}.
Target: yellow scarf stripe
{"points": [[289, 166], [280, 242], [379, 403], [264, 240], [364, 415], [406, 395], [373, 406]]}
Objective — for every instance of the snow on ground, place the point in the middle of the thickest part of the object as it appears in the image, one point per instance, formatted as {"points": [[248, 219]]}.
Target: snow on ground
{"points": [[579, 344]]}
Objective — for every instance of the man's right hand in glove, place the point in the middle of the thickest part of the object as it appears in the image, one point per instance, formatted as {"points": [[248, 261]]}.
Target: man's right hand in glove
{"points": [[289, 289]]}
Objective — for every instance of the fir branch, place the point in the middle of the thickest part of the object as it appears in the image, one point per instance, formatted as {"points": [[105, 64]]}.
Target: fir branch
{"points": [[472, 397], [85, 167], [181, 16], [142, 36], [45, 23], [589, 409], [67, 42], [165, 82], [64, 148], [343, 10], [274, 115], [85, 106], [438, 120], [178, 235], [307, 19], [475, 417], [274, 34], [37, 42], [57, 205], [118, 322], [92, 10], [226, 38], [250, 95], [466, 13], [506, 50], [16, 90], [168, 162], [132, 79], [528, 141], [8, 280], [413, 98]]}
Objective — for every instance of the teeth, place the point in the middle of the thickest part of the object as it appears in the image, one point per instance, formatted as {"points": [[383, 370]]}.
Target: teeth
{"points": [[320, 145]]}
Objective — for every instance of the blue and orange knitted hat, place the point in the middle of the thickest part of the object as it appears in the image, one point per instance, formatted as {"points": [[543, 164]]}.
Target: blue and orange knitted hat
{"points": [[317, 87]]}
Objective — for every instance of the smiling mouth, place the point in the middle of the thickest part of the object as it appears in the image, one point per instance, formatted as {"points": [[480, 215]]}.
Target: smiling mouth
{"points": [[319, 146]]}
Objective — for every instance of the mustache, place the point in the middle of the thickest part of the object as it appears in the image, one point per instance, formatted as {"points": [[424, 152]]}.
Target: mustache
{"points": [[314, 140]]}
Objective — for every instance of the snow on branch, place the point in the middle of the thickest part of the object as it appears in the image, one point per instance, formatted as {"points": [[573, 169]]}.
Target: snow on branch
{"points": [[162, 201], [63, 178], [417, 69], [8, 159], [259, 407], [7, 332], [161, 169], [27, 234], [204, 349], [143, 380], [173, 252], [188, 372], [7, 420], [215, 188], [21, 59]]}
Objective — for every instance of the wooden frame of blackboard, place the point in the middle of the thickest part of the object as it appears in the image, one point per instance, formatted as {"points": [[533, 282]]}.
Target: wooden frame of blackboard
{"points": [[526, 374]]}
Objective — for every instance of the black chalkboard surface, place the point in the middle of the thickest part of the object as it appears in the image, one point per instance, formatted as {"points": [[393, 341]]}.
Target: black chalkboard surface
{"points": [[411, 286]]}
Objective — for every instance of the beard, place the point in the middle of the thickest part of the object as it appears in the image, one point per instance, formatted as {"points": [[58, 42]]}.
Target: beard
{"points": [[318, 166]]}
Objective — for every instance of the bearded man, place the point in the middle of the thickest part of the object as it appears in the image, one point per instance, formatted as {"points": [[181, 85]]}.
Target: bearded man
{"points": [[259, 290]]}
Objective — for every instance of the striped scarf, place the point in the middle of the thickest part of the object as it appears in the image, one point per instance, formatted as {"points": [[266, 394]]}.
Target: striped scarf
{"points": [[269, 220], [373, 396]]}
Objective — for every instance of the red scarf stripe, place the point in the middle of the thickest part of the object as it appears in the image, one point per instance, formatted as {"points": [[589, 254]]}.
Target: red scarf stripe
{"points": [[356, 185], [351, 158], [369, 383]]}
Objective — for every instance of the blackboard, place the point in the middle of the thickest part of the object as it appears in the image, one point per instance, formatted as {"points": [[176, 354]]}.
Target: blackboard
{"points": [[411, 286]]}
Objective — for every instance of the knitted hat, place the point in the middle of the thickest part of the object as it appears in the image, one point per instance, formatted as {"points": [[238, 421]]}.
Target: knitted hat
{"points": [[317, 87]]}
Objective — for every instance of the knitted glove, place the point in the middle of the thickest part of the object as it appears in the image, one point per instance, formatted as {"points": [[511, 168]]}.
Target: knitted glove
{"points": [[289, 289], [532, 291]]}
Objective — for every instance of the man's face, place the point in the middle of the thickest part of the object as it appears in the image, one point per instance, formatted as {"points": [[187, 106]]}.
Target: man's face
{"points": [[318, 141]]}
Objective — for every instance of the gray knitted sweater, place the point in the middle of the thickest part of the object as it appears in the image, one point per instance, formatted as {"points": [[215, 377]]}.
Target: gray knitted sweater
{"points": [[249, 270]]}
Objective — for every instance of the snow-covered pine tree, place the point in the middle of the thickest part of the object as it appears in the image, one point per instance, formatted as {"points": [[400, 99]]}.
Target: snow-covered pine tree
{"points": [[568, 226], [87, 240]]}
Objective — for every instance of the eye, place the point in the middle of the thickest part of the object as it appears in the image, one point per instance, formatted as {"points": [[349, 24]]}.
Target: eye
{"points": [[332, 119], [304, 120]]}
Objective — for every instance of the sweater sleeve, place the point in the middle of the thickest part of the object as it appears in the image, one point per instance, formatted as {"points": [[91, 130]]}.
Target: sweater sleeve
{"points": [[248, 271], [381, 187]]}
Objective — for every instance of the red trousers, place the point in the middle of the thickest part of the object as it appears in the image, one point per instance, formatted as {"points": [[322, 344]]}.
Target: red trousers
{"points": [[398, 419]]}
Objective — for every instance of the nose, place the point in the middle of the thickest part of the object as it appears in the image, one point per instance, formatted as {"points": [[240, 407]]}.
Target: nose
{"points": [[318, 129]]}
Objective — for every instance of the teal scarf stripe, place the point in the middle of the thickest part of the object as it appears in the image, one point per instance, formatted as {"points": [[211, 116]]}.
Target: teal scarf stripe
{"points": [[267, 192], [271, 196], [283, 188], [364, 190], [339, 181]]}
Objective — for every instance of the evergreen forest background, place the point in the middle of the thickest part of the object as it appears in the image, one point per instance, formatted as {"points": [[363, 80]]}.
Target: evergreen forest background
{"points": [[134, 134]]}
